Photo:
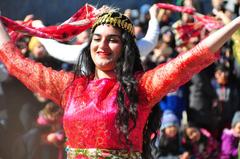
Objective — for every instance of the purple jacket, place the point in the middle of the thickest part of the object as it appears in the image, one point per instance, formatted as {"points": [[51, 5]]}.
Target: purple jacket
{"points": [[229, 148]]}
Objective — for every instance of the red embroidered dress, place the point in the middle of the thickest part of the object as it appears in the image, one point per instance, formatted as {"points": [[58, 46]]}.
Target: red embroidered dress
{"points": [[90, 106]]}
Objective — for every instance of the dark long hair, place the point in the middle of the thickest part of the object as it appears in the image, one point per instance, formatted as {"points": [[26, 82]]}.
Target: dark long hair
{"points": [[150, 134], [127, 65]]}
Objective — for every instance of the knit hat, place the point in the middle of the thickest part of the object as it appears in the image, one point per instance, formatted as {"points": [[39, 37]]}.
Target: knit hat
{"points": [[165, 29], [169, 119], [236, 118]]}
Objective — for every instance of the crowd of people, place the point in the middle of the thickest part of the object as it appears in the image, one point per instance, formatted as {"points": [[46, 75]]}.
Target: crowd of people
{"points": [[146, 91]]}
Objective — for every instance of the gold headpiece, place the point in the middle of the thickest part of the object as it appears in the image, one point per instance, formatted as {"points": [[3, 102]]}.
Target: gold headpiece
{"points": [[115, 19]]}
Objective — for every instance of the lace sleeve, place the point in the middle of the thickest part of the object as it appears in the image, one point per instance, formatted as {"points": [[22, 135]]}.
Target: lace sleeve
{"points": [[156, 83], [38, 78]]}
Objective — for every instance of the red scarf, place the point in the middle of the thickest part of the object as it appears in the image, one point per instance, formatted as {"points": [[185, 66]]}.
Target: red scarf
{"points": [[80, 21]]}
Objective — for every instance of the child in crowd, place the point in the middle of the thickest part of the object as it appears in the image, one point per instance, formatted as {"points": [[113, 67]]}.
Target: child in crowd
{"points": [[199, 143], [37, 52], [230, 139], [168, 140], [227, 102]]}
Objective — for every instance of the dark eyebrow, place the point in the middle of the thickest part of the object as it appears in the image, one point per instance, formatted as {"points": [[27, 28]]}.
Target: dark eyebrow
{"points": [[110, 35]]}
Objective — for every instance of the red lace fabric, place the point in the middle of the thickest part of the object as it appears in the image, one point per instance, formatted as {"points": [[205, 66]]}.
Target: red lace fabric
{"points": [[165, 78], [90, 105]]}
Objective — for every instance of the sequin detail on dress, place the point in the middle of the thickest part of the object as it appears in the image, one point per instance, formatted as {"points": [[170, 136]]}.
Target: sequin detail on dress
{"points": [[101, 154]]}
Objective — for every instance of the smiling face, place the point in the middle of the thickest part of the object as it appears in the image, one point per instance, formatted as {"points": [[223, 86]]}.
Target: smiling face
{"points": [[106, 47], [193, 134]]}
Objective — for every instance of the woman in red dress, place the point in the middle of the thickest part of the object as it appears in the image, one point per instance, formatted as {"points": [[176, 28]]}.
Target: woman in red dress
{"points": [[106, 105]]}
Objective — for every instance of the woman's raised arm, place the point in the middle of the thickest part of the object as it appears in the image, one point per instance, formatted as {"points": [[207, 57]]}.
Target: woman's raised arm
{"points": [[156, 83]]}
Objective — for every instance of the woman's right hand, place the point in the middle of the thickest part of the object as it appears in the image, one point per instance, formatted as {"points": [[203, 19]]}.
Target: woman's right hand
{"points": [[153, 11]]}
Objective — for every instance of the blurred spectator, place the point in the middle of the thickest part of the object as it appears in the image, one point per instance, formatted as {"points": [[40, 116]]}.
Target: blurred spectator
{"points": [[132, 14], [199, 143], [29, 111], [198, 4], [181, 44], [228, 97], [16, 97], [144, 16], [168, 141], [231, 58], [167, 36], [39, 54], [138, 29], [22, 44], [128, 13], [165, 18], [201, 98], [42, 141], [160, 54], [82, 37]]}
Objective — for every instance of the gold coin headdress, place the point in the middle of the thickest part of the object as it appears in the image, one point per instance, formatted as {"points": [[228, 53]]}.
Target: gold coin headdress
{"points": [[115, 19]]}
